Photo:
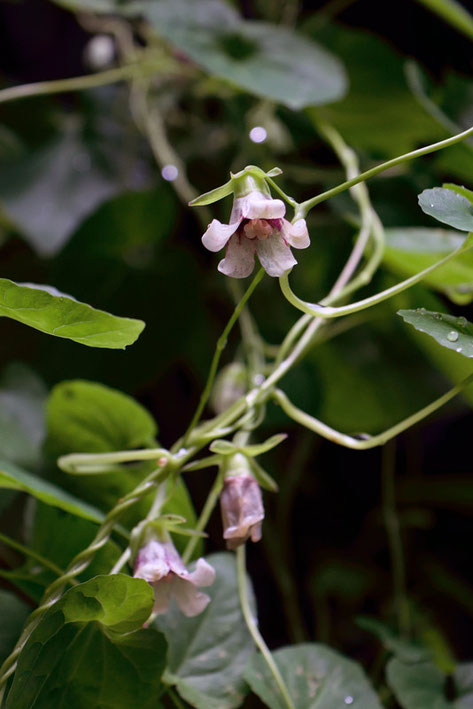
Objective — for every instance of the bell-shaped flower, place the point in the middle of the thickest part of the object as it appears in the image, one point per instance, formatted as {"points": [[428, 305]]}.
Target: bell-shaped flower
{"points": [[158, 562], [257, 226], [241, 504]]}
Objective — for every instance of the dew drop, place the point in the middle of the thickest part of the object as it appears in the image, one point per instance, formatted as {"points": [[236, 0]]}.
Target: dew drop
{"points": [[258, 379], [452, 336], [258, 134], [437, 316], [459, 349], [431, 205], [349, 700], [462, 322]]}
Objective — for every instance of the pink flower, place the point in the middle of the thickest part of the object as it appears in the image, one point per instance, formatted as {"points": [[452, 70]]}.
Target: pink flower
{"points": [[257, 226], [159, 563], [241, 504]]}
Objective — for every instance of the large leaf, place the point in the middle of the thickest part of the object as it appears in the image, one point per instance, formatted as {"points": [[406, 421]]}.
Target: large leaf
{"points": [[47, 193], [22, 419], [207, 654], [449, 331], [379, 113], [13, 613], [60, 315], [88, 417], [421, 685], [316, 676], [448, 207], [410, 250], [88, 650], [14, 478], [264, 59]]}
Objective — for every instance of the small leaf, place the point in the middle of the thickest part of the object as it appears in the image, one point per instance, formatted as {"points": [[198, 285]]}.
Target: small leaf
{"points": [[468, 194], [421, 685], [274, 172], [448, 207], [316, 677], [255, 449], [455, 333], [403, 649], [264, 479], [207, 654], [14, 478], [222, 447], [62, 316], [213, 195]]}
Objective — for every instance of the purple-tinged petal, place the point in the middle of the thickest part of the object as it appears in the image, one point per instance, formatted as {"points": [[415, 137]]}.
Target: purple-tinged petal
{"points": [[259, 206], [162, 595], [297, 234], [189, 600], [154, 561], [239, 259], [275, 256], [218, 234], [203, 574]]}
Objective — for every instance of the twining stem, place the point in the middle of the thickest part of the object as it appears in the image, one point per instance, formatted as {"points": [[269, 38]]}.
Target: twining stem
{"points": [[336, 312], [78, 83], [306, 206], [89, 463], [207, 510], [367, 441], [31, 553], [253, 628], [221, 344], [391, 521]]}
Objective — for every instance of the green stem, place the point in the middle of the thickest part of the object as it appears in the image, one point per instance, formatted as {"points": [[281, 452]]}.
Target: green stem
{"points": [[393, 531], [31, 553], [221, 344], [330, 312], [175, 698], [364, 443], [89, 463], [78, 83], [454, 13], [253, 628], [306, 206], [207, 510]]}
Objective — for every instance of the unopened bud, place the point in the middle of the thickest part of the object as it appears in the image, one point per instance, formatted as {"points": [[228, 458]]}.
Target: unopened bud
{"points": [[230, 385], [241, 504]]}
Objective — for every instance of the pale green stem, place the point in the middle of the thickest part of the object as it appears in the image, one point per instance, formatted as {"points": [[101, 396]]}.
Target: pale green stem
{"points": [[250, 335], [329, 312], [79, 83], [207, 510], [253, 628], [393, 531], [454, 13], [364, 443], [89, 463], [306, 206], [221, 344], [31, 553], [175, 698]]}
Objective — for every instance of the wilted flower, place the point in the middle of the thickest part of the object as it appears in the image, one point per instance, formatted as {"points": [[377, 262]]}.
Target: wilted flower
{"points": [[257, 226], [159, 563], [241, 504]]}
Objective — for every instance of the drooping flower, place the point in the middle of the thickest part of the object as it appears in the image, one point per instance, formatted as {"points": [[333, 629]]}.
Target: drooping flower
{"points": [[158, 562], [241, 504], [257, 226]]}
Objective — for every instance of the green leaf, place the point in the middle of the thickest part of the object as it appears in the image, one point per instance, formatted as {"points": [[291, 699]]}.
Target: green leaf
{"points": [[403, 649], [228, 448], [455, 333], [213, 195], [47, 193], [207, 654], [421, 685], [22, 419], [448, 207], [264, 59], [468, 194], [14, 478], [316, 677], [57, 314], [88, 650], [86, 417], [412, 249], [452, 12], [13, 613]]}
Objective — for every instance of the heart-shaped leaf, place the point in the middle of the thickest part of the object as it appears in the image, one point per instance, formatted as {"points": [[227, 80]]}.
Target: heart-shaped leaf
{"points": [[448, 207]]}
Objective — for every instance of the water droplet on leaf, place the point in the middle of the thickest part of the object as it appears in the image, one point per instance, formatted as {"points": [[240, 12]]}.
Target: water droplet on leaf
{"points": [[459, 349], [349, 700], [462, 322], [452, 336]]}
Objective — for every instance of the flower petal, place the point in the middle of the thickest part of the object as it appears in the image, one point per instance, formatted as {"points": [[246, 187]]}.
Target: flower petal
{"points": [[203, 574], [239, 260], [162, 595], [257, 205], [275, 256], [218, 234], [297, 234], [189, 600]]}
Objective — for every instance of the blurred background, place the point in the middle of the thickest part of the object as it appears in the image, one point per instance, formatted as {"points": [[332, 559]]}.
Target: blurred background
{"points": [[85, 208]]}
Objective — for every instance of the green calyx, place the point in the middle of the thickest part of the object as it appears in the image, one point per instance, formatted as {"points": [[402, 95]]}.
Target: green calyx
{"points": [[249, 179]]}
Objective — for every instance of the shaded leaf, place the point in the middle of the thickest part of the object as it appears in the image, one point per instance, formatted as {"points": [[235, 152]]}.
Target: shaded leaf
{"points": [[316, 676], [207, 654], [448, 207], [455, 333], [62, 316], [13, 613], [264, 59], [421, 685]]}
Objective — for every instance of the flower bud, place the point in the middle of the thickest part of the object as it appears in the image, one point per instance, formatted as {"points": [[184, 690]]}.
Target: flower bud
{"points": [[230, 385], [241, 504]]}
